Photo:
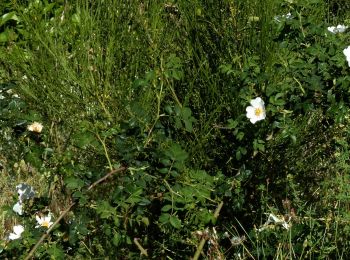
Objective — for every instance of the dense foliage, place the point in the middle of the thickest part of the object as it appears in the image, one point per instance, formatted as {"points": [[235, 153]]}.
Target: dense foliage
{"points": [[146, 150]]}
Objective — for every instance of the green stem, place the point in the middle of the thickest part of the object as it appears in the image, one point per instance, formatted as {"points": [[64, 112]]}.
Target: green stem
{"points": [[202, 242], [159, 100], [103, 142]]}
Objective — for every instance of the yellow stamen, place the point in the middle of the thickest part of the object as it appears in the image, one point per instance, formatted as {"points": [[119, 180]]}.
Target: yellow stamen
{"points": [[258, 111], [45, 224]]}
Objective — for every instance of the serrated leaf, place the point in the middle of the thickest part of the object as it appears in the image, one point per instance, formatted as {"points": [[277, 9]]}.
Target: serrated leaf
{"points": [[175, 221], [164, 218], [176, 153]]}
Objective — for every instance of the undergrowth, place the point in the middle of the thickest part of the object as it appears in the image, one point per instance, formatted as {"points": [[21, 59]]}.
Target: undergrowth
{"points": [[146, 150]]}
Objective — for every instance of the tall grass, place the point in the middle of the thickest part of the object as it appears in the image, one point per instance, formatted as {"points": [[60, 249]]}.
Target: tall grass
{"points": [[97, 68]]}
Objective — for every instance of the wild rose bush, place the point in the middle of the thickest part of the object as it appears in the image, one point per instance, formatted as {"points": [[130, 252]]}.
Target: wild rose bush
{"points": [[225, 127]]}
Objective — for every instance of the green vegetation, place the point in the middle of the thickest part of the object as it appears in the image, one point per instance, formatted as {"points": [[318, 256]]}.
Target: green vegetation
{"points": [[146, 150]]}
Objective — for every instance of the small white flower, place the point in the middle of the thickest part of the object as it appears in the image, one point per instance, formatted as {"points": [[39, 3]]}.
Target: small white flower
{"points": [[279, 18], [256, 111], [18, 208], [337, 29], [287, 16], [275, 220], [35, 127], [44, 221], [17, 231], [347, 54]]}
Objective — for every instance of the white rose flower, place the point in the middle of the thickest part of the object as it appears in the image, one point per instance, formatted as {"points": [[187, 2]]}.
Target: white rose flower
{"points": [[44, 221], [17, 232], [256, 111], [337, 29]]}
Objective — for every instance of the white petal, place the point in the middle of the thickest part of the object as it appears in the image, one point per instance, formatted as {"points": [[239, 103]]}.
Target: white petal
{"points": [[253, 120], [347, 54], [346, 51], [258, 102], [250, 111], [13, 236], [286, 225], [18, 229], [18, 208], [48, 218], [288, 16], [331, 29], [341, 28], [39, 219]]}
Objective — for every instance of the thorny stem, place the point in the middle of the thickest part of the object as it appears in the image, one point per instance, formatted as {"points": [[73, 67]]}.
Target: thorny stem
{"points": [[45, 235]]}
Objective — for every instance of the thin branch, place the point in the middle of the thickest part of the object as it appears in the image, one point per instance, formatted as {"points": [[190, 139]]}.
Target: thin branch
{"points": [[123, 168], [45, 235], [140, 247]]}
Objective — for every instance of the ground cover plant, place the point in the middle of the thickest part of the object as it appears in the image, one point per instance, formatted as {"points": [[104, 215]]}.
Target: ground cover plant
{"points": [[174, 129]]}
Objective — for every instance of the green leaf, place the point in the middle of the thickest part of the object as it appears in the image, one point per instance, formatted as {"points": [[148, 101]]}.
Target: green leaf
{"points": [[4, 37], [166, 208], [176, 153], [173, 68], [76, 18], [105, 210], [187, 118], [55, 252], [83, 199], [135, 197], [116, 239], [145, 221], [7, 17], [140, 83], [151, 75], [175, 221], [74, 183], [164, 218], [82, 139], [232, 123], [48, 7], [164, 170]]}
